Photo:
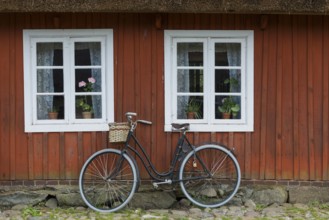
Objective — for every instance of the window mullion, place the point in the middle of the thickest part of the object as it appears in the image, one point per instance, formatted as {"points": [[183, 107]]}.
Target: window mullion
{"points": [[34, 80], [68, 79], [210, 92]]}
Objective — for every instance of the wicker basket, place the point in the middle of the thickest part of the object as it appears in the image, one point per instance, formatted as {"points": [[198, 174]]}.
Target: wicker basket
{"points": [[118, 132]]}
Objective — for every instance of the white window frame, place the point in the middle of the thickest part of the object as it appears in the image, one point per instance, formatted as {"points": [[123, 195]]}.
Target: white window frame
{"points": [[70, 123], [209, 123]]}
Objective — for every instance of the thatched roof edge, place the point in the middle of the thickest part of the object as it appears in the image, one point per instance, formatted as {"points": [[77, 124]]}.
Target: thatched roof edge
{"points": [[169, 6]]}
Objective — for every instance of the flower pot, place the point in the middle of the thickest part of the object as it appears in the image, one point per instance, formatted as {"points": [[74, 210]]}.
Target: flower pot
{"points": [[190, 115], [226, 115], [86, 114], [52, 115]]}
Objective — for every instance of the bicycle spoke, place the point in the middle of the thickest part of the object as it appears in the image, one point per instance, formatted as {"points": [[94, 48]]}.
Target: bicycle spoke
{"points": [[108, 181], [210, 190]]}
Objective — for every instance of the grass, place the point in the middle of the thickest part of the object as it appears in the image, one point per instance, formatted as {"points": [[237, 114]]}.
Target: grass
{"points": [[31, 211]]}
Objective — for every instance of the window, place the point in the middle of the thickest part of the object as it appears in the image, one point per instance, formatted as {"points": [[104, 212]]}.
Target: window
{"points": [[68, 80], [209, 80]]}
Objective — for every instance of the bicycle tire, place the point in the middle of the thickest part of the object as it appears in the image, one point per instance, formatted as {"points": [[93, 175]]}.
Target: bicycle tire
{"points": [[108, 180], [210, 191]]}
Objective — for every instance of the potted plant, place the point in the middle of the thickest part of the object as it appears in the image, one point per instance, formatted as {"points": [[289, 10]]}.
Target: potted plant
{"points": [[53, 113], [85, 107], [83, 103], [233, 82], [228, 108], [192, 109]]}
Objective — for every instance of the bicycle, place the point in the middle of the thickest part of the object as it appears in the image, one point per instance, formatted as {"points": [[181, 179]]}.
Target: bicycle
{"points": [[209, 175]]}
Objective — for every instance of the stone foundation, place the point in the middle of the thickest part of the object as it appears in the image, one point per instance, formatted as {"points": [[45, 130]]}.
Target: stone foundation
{"points": [[149, 198]]}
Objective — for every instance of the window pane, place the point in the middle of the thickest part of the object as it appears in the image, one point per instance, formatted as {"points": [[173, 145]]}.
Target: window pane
{"points": [[89, 103], [50, 80], [227, 54], [192, 104], [88, 80], [189, 54], [227, 80], [50, 103], [87, 53], [190, 80], [228, 104], [49, 54]]}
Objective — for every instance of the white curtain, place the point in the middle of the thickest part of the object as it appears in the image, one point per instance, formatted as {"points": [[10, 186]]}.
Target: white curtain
{"points": [[45, 80], [183, 78], [95, 58], [233, 51]]}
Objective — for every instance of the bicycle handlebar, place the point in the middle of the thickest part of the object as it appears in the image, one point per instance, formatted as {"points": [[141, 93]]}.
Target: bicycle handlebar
{"points": [[144, 122], [130, 115]]}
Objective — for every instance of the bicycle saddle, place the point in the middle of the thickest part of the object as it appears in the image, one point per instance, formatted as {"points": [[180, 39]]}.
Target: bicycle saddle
{"points": [[182, 127]]}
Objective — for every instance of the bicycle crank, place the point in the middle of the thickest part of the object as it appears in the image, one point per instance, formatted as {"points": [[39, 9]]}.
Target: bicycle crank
{"points": [[156, 185]]}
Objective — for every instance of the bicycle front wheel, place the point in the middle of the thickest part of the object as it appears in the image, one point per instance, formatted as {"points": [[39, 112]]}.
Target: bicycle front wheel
{"points": [[210, 176], [108, 180]]}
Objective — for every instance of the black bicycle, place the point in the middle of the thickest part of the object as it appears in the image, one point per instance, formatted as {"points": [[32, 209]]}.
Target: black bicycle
{"points": [[209, 175]]}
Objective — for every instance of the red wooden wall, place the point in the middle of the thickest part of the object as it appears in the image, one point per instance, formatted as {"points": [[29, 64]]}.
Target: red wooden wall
{"points": [[290, 141]]}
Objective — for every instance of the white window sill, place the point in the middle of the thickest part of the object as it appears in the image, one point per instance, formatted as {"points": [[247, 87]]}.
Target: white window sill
{"points": [[216, 128], [68, 128]]}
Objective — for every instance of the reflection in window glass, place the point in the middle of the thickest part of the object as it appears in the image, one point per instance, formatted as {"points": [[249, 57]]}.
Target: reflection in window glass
{"points": [[47, 53], [50, 103], [88, 103], [50, 80], [227, 80], [189, 54], [87, 53], [92, 79], [190, 80], [228, 107], [189, 107], [232, 52]]}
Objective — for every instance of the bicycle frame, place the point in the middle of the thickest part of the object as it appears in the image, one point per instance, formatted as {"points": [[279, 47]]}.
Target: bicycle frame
{"points": [[147, 163]]}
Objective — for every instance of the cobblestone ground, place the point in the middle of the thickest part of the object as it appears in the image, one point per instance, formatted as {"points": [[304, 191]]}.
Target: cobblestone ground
{"points": [[285, 211]]}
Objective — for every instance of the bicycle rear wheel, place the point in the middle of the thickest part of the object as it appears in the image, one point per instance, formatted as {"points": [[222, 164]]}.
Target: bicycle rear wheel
{"points": [[210, 176], [108, 180]]}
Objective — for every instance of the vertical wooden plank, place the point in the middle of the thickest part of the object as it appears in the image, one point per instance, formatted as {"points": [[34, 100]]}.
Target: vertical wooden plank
{"points": [[62, 165], [86, 146], [264, 85], [279, 103], [162, 146], [325, 110], [303, 150], [270, 147], [317, 59], [248, 156], [71, 154], [44, 158], [255, 150], [144, 53], [12, 93], [53, 156], [310, 102], [295, 97], [5, 99], [80, 150], [154, 78], [21, 138], [287, 126], [30, 156], [37, 145]]}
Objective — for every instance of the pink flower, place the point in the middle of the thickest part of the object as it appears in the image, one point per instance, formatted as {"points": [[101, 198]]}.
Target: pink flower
{"points": [[82, 84], [92, 80]]}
